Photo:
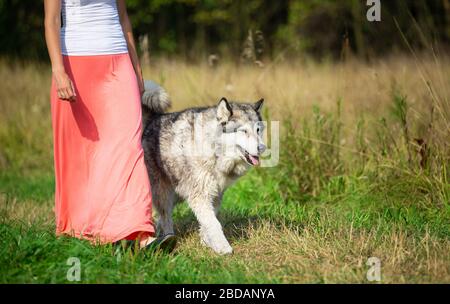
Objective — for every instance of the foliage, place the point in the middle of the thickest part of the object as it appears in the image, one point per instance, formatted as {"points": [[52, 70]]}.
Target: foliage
{"points": [[196, 28]]}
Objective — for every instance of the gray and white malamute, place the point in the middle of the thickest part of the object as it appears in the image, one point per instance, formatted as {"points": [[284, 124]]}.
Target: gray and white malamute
{"points": [[195, 154]]}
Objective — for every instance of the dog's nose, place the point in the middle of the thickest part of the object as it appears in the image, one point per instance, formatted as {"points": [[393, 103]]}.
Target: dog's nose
{"points": [[261, 148]]}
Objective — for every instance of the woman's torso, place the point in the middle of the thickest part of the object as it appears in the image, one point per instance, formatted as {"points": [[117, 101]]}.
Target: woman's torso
{"points": [[91, 27]]}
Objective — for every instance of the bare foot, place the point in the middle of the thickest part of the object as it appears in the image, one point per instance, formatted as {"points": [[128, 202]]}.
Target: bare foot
{"points": [[144, 242]]}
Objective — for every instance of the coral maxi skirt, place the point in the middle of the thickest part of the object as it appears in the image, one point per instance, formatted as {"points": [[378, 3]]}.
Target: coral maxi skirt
{"points": [[102, 189]]}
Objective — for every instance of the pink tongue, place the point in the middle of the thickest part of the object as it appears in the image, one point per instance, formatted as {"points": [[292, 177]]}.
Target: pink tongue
{"points": [[254, 160]]}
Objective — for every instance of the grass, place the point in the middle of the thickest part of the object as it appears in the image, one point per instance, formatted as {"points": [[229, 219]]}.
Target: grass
{"points": [[363, 172]]}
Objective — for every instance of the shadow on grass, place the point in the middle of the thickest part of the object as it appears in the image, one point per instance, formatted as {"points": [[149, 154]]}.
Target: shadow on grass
{"points": [[236, 226]]}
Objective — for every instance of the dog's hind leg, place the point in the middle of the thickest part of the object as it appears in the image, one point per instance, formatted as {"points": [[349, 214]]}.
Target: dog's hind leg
{"points": [[165, 209], [211, 231], [163, 198]]}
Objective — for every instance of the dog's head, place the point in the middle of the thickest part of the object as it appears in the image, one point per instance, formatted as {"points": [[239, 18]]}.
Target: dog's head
{"points": [[242, 130]]}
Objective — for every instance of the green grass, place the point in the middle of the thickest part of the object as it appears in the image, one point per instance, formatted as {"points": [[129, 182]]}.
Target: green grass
{"points": [[324, 240], [39, 188]]}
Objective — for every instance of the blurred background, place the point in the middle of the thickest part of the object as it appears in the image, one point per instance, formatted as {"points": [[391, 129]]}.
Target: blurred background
{"points": [[195, 29]]}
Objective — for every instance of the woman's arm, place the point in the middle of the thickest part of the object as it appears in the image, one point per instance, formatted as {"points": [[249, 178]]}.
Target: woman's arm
{"points": [[128, 32], [52, 24]]}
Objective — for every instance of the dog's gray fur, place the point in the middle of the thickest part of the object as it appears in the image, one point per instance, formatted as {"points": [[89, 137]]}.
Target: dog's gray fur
{"points": [[184, 166]]}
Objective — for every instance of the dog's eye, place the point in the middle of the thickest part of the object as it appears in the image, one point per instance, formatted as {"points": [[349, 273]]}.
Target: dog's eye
{"points": [[243, 131], [259, 128]]}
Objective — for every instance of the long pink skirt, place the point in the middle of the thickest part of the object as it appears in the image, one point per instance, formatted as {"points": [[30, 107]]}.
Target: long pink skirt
{"points": [[102, 190]]}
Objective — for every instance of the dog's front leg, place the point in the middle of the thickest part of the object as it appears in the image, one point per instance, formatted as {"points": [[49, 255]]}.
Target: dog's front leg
{"points": [[211, 231]]}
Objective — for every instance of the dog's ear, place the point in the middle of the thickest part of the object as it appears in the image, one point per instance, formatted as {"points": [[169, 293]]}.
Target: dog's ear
{"points": [[224, 110], [258, 105]]}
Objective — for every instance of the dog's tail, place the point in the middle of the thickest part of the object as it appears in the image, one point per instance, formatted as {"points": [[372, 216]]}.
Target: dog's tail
{"points": [[155, 99]]}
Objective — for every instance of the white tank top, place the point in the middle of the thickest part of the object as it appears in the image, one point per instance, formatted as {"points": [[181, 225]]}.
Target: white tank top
{"points": [[91, 27]]}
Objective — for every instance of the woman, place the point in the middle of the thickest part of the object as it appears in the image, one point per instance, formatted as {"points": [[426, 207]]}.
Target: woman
{"points": [[102, 189]]}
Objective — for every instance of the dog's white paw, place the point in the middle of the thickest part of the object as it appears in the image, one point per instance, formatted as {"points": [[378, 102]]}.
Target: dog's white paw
{"points": [[219, 246], [224, 250]]}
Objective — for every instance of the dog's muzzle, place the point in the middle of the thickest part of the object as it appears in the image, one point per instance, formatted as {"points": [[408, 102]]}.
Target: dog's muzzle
{"points": [[249, 158]]}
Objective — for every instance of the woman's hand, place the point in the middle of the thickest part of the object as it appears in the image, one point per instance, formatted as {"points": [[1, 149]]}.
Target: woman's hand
{"points": [[64, 86]]}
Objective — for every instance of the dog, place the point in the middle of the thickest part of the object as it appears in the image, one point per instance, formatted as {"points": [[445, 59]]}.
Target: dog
{"points": [[195, 154]]}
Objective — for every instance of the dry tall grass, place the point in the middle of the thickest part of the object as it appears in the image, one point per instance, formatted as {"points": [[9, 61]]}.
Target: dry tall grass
{"points": [[296, 86], [288, 87]]}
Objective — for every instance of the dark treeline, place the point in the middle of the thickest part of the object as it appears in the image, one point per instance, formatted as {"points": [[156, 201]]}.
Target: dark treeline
{"points": [[193, 29]]}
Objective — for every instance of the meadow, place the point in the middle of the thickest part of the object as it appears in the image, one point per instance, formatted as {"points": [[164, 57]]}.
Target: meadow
{"points": [[363, 172]]}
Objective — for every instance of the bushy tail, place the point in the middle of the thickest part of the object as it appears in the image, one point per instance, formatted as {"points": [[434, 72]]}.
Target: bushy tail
{"points": [[155, 99]]}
